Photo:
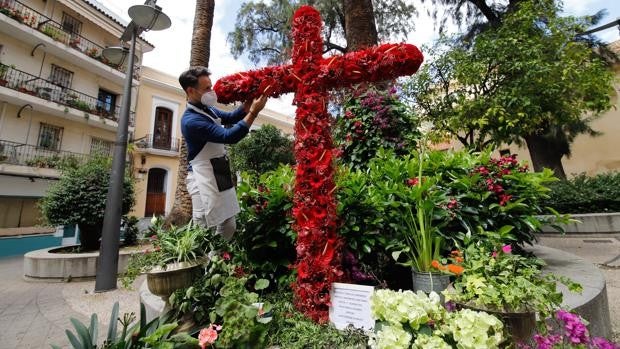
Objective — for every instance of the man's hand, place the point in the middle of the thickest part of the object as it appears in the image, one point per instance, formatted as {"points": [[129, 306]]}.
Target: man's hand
{"points": [[257, 105]]}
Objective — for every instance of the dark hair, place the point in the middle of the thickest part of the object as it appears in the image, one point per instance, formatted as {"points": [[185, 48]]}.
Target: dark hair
{"points": [[189, 78]]}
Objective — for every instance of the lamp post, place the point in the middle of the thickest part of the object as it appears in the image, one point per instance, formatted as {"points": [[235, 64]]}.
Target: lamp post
{"points": [[143, 18]]}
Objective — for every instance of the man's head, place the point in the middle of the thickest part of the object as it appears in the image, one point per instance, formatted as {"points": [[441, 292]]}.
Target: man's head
{"points": [[195, 82]]}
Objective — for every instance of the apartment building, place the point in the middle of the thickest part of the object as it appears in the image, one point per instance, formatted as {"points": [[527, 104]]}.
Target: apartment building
{"points": [[155, 150], [59, 97]]}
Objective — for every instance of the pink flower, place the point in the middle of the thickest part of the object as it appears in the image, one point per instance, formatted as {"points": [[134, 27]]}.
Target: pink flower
{"points": [[226, 256], [208, 335], [494, 254], [507, 249]]}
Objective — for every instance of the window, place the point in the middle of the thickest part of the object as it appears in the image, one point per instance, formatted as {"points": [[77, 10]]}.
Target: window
{"points": [[61, 76], [50, 137], [100, 146], [162, 135], [106, 101], [71, 25], [504, 152]]}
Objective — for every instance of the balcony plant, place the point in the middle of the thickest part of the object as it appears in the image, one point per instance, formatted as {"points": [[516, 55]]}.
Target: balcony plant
{"points": [[79, 197]]}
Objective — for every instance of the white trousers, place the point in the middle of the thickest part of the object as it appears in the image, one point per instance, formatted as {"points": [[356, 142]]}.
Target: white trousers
{"points": [[226, 229]]}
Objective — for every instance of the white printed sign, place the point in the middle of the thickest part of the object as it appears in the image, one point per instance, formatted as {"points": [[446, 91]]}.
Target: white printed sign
{"points": [[351, 306]]}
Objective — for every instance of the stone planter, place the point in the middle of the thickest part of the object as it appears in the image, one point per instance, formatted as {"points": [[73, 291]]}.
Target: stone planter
{"points": [[429, 281], [163, 282]]}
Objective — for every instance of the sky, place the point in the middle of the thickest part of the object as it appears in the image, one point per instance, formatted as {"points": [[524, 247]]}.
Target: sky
{"points": [[172, 46]]}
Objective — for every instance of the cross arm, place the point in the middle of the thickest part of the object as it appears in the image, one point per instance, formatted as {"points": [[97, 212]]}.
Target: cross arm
{"points": [[379, 63]]}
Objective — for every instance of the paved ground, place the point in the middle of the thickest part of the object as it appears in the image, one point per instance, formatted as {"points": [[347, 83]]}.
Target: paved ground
{"points": [[35, 314], [604, 252]]}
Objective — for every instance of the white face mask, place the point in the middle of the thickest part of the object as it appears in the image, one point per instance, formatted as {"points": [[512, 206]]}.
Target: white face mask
{"points": [[208, 98]]}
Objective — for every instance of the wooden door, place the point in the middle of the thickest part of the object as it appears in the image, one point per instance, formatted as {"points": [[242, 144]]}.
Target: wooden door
{"points": [[156, 193]]}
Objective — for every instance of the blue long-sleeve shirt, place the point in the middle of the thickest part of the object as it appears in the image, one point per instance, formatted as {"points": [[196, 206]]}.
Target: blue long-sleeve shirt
{"points": [[198, 129]]}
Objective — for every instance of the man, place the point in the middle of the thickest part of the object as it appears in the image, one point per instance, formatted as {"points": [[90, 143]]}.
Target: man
{"points": [[209, 179]]}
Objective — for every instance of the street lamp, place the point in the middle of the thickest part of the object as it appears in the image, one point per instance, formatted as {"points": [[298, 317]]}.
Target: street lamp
{"points": [[143, 18]]}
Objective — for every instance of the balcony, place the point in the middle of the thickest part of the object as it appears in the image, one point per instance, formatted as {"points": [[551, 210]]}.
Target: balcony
{"points": [[157, 146], [32, 20], [17, 155], [23, 82]]}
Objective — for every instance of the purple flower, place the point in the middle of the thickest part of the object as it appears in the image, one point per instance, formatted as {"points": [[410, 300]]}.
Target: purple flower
{"points": [[450, 306], [602, 343]]}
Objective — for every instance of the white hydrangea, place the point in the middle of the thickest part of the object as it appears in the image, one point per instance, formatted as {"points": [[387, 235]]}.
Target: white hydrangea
{"points": [[390, 337], [425, 342], [473, 330], [399, 307]]}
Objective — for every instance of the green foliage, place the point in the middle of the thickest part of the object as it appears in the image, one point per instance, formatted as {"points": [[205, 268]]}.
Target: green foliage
{"points": [[263, 150], [134, 335], [374, 120], [189, 243], [263, 30], [521, 78], [292, 330], [223, 296], [469, 190], [585, 194], [264, 231], [79, 196], [499, 280], [131, 230]]}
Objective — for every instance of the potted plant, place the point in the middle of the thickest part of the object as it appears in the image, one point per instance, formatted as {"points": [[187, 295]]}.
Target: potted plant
{"points": [[423, 215], [507, 284], [174, 261], [79, 197]]}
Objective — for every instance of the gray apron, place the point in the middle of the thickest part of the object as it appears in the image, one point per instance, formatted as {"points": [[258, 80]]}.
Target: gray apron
{"points": [[218, 205]]}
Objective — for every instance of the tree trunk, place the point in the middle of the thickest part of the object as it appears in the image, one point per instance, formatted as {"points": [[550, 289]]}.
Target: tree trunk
{"points": [[201, 36], [181, 212], [360, 29], [544, 153]]}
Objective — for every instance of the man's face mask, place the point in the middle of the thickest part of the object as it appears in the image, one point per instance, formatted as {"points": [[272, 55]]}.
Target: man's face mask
{"points": [[208, 98]]}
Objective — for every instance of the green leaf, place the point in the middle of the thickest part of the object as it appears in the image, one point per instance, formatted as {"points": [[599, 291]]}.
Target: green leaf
{"points": [[93, 329], [75, 342], [82, 332], [113, 323], [261, 284]]}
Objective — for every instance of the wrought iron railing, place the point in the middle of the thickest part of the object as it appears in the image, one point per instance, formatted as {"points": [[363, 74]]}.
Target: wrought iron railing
{"points": [[34, 19], [151, 142], [27, 83], [33, 156]]}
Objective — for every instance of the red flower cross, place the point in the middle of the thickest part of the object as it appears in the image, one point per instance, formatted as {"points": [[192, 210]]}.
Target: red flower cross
{"points": [[310, 77]]}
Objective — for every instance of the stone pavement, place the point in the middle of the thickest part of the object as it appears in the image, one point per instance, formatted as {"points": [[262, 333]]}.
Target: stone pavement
{"points": [[36, 314], [603, 251]]}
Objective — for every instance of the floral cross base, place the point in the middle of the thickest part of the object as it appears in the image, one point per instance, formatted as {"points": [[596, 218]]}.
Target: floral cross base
{"points": [[310, 77]]}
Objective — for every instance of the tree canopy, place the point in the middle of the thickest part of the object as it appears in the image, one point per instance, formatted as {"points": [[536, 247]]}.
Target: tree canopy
{"points": [[262, 30], [526, 77]]}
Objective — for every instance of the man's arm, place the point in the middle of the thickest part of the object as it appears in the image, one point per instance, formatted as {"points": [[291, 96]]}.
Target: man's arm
{"points": [[230, 117], [209, 131]]}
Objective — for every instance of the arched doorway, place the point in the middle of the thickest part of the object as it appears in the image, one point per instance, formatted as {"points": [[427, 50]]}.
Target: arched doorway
{"points": [[156, 193], [162, 128]]}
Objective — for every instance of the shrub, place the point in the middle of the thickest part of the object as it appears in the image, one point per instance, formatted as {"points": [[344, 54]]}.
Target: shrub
{"points": [[263, 150], [265, 233], [371, 121], [79, 197], [584, 194]]}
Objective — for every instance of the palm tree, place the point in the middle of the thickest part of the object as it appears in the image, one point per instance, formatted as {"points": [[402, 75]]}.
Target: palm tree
{"points": [[181, 212]]}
